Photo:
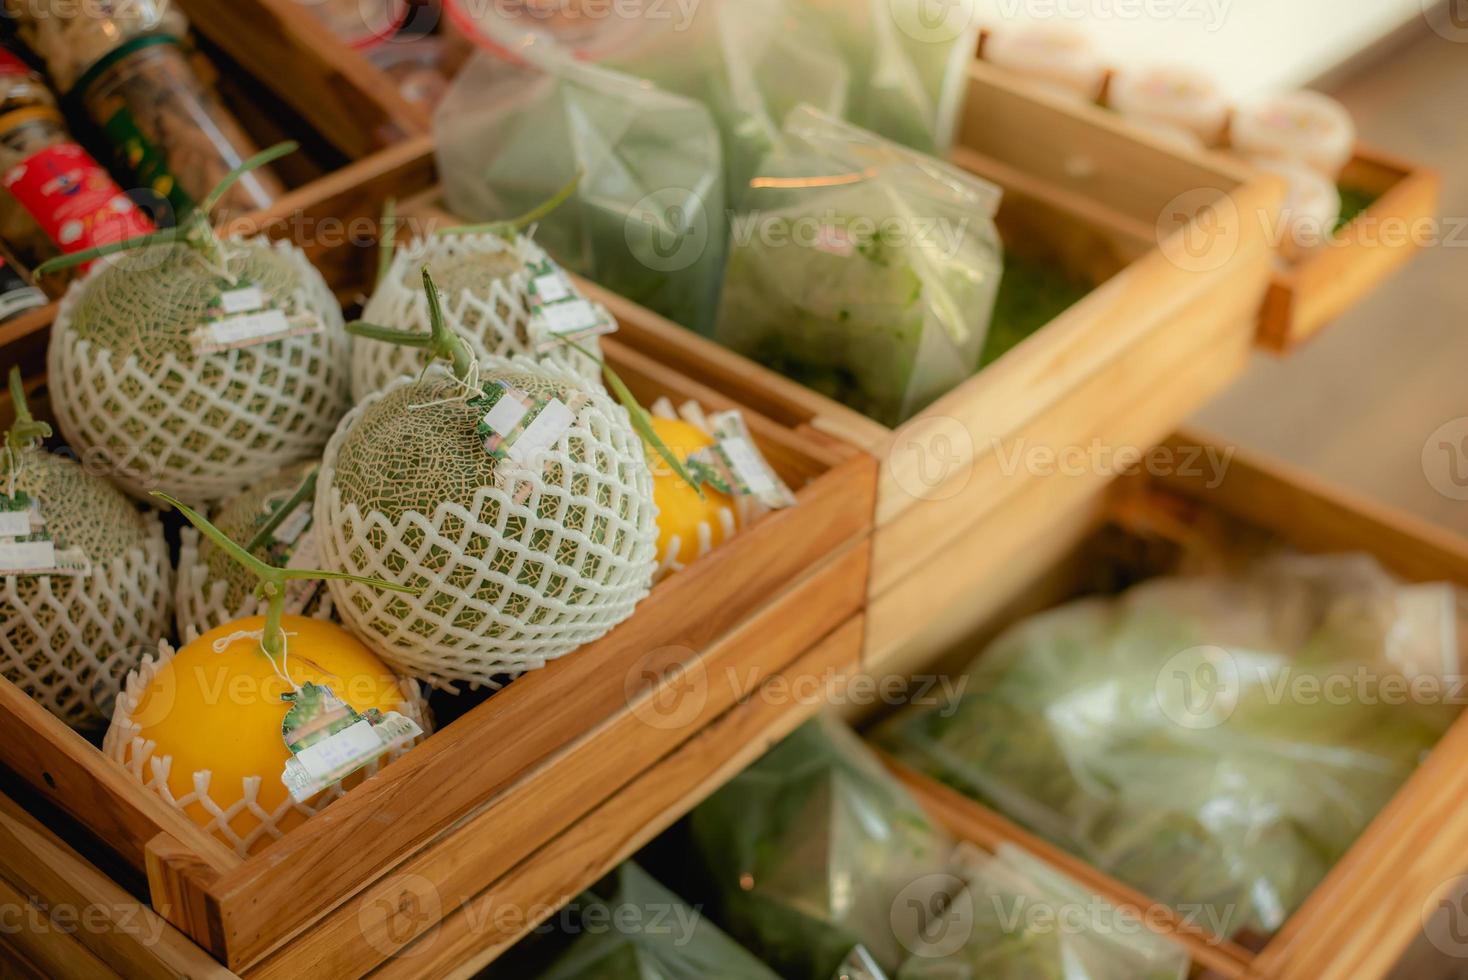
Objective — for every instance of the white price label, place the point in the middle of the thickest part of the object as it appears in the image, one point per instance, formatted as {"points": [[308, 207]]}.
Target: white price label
{"points": [[572, 317], [552, 288], [543, 432], [34, 557], [15, 523], [247, 300], [748, 464]]}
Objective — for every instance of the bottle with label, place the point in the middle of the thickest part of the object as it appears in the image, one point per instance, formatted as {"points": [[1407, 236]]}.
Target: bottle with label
{"points": [[123, 66], [59, 199]]}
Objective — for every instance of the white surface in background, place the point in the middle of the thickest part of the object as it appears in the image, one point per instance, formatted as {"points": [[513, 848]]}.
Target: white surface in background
{"points": [[1249, 46]]}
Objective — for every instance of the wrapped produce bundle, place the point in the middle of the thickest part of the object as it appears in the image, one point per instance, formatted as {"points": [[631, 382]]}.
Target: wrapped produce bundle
{"points": [[647, 220], [810, 850], [199, 365], [1158, 735], [273, 518], [263, 721], [513, 496], [87, 580], [865, 271], [501, 293], [1020, 917], [662, 939]]}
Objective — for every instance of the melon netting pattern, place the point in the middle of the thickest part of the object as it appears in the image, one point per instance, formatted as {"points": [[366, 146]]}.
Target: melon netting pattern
{"points": [[517, 566], [130, 390], [213, 589], [68, 641], [124, 745], [483, 284]]}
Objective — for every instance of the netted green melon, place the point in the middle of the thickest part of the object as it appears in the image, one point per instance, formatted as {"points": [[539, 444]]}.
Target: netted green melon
{"points": [[68, 639], [214, 589], [517, 563], [485, 282], [139, 384]]}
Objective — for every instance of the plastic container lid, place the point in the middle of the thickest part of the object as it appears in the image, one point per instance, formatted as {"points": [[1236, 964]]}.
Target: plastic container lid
{"points": [[1312, 207], [1173, 94], [1302, 126], [1058, 55]]}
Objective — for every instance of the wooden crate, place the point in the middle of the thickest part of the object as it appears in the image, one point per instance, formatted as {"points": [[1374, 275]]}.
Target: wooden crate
{"points": [[1363, 916], [1306, 297], [525, 766], [1168, 324]]}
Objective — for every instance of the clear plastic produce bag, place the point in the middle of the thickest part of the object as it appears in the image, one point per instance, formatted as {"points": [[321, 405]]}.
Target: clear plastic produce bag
{"points": [[1023, 920], [749, 62], [816, 849], [861, 269], [654, 936], [906, 60], [648, 218], [1216, 742]]}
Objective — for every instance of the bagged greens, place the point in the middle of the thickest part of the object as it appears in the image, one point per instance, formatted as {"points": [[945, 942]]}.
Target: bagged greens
{"points": [[1217, 742], [861, 269], [816, 849], [645, 932], [749, 62], [647, 219], [1024, 920]]}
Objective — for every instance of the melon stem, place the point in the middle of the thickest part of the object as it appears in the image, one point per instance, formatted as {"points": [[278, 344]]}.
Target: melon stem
{"points": [[440, 341], [25, 430], [271, 580]]}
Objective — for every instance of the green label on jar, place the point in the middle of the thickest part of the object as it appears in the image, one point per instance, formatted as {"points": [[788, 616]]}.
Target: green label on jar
{"points": [[145, 161]]}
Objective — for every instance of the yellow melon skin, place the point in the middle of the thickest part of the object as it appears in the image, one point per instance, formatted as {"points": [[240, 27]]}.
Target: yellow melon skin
{"points": [[680, 510], [222, 712]]}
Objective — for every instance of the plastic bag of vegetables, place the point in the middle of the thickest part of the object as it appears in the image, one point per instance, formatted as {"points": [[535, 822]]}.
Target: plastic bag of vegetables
{"points": [[656, 937], [513, 495], [749, 62], [1170, 736], [907, 67], [501, 293], [197, 364], [647, 220], [810, 850], [861, 269], [86, 585], [1023, 920]]}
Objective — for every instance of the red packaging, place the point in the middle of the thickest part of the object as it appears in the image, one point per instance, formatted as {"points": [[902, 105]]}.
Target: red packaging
{"points": [[73, 199]]}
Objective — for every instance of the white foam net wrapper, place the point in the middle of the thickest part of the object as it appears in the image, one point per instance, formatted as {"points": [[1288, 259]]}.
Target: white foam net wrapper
{"points": [[139, 756], [130, 389], [518, 565], [213, 589], [483, 282], [68, 641]]}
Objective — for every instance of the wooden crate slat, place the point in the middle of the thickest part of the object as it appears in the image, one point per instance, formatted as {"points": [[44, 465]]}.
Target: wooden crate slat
{"points": [[488, 840], [630, 819]]}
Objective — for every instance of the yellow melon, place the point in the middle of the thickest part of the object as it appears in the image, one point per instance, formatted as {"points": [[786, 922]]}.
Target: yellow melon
{"points": [[688, 525], [215, 708]]}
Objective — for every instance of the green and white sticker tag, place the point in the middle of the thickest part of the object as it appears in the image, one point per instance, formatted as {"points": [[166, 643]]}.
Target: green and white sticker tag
{"points": [[244, 316], [521, 427], [735, 466], [293, 544], [558, 313], [329, 740], [26, 548]]}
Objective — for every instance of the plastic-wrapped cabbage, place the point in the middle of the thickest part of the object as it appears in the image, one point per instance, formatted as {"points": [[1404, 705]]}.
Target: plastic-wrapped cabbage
{"points": [[816, 849], [647, 220], [1217, 742], [906, 66], [1026, 921], [861, 269], [656, 937]]}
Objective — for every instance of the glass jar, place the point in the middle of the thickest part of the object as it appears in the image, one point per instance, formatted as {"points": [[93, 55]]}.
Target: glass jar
{"points": [[169, 129], [60, 200], [71, 36]]}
